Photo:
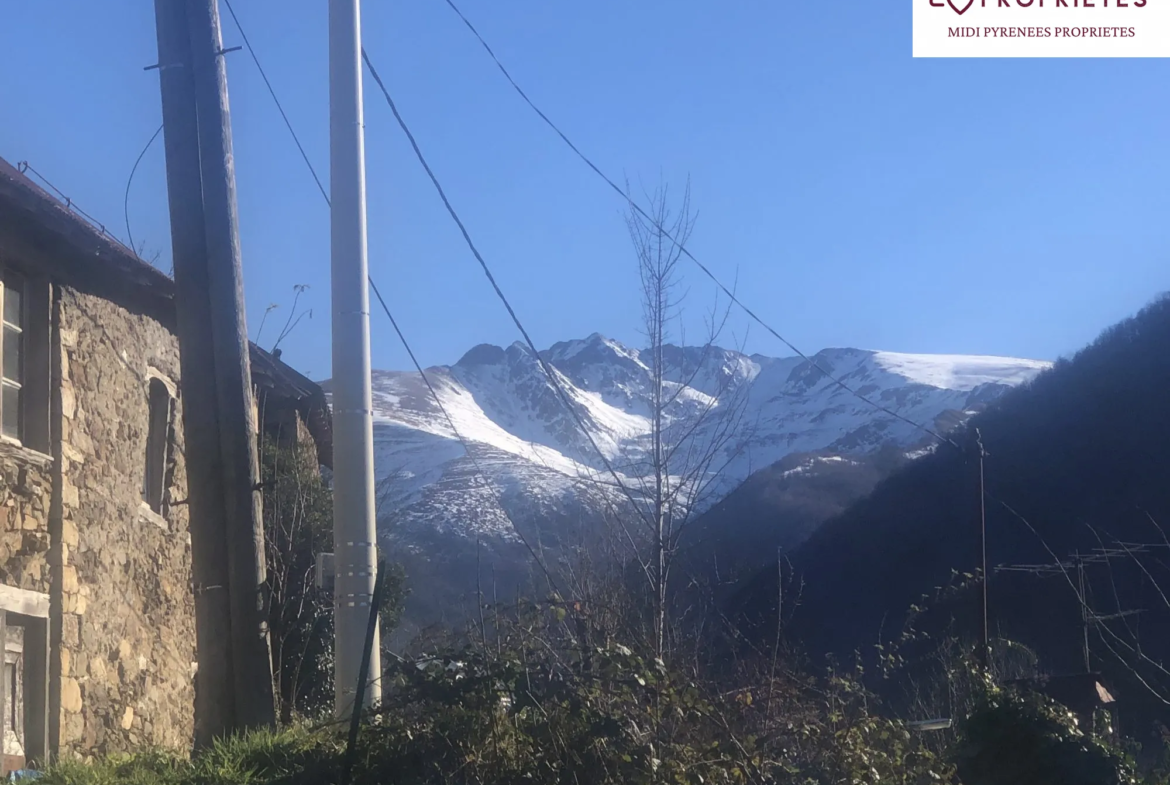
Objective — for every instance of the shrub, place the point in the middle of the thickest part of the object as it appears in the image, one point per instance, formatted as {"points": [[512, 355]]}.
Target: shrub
{"points": [[1012, 738]]}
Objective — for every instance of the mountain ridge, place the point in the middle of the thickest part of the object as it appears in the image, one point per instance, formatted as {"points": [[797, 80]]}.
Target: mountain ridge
{"points": [[512, 418], [532, 478]]}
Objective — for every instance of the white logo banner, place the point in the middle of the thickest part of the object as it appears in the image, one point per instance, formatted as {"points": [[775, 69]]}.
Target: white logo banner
{"points": [[1041, 28]]}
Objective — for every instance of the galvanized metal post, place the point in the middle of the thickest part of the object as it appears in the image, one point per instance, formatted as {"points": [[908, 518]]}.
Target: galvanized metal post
{"points": [[354, 536]]}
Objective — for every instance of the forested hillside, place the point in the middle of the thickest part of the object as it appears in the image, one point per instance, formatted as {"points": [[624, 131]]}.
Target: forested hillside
{"points": [[778, 508], [1077, 461]]}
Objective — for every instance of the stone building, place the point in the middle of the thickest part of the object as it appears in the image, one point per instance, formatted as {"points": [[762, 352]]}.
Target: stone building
{"points": [[96, 606], [97, 609], [292, 409]]}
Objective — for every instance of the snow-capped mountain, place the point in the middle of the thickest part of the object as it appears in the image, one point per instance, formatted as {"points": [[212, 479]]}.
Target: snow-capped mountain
{"points": [[528, 451]]}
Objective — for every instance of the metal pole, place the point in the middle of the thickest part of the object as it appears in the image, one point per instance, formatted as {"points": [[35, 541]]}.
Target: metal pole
{"points": [[1084, 610], [355, 719], [984, 632], [354, 535]]}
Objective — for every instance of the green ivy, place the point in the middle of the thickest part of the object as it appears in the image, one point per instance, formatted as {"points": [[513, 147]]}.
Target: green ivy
{"points": [[1013, 738]]}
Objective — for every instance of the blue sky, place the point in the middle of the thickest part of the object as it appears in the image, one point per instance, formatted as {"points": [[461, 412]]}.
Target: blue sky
{"points": [[861, 197]]}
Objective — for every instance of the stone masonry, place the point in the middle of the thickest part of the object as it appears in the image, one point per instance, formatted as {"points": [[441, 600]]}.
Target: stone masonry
{"points": [[122, 625], [25, 491]]}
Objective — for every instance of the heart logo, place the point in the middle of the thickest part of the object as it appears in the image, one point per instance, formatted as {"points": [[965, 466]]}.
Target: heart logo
{"points": [[960, 11]]}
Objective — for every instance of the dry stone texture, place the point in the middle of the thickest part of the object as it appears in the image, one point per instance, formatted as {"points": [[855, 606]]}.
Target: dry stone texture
{"points": [[126, 637]]}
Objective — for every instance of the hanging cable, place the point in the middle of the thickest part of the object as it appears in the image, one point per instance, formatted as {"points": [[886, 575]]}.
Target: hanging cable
{"points": [[129, 181], [393, 322], [637, 208], [466, 445], [549, 372], [275, 99]]}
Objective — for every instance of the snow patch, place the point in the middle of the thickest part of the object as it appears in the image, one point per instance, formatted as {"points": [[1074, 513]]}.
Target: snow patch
{"points": [[960, 372]]}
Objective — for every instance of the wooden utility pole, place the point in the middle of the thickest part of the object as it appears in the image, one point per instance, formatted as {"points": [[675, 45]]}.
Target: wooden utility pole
{"points": [[251, 654], [214, 697]]}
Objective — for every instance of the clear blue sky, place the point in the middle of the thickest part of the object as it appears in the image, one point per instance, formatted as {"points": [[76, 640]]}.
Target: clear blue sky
{"points": [[864, 198]]}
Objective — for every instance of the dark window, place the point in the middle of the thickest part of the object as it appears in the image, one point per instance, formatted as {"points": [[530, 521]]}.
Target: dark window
{"points": [[157, 444], [12, 357]]}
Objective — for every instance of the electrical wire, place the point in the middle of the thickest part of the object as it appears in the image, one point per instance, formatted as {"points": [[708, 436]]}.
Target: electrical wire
{"points": [[637, 208], [389, 315], [1081, 600], [129, 181], [548, 372], [466, 445], [633, 205], [276, 100], [682, 248], [551, 374]]}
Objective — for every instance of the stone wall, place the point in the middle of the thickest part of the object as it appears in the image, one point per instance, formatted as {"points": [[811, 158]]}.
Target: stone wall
{"points": [[25, 493], [124, 630]]}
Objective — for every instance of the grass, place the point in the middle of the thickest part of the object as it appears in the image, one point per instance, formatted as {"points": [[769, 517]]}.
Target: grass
{"points": [[292, 757]]}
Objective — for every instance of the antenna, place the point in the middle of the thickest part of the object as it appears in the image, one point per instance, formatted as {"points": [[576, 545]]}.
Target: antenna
{"points": [[1098, 556], [985, 633]]}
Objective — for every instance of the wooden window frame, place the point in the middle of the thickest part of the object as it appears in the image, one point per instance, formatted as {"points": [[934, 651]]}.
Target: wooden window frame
{"points": [[29, 610], [10, 279], [35, 383]]}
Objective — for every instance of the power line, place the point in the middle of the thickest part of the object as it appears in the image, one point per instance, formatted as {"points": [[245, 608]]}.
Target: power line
{"points": [[682, 248], [1101, 628], [466, 445], [389, 315], [548, 371], [636, 207], [129, 181], [272, 92], [1060, 566]]}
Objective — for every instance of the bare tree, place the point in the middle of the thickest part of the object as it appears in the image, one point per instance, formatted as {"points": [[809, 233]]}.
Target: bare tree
{"points": [[694, 433], [298, 526], [391, 493], [298, 519]]}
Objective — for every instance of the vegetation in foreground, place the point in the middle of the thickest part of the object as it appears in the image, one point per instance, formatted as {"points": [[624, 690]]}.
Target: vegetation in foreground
{"points": [[528, 707], [1010, 740]]}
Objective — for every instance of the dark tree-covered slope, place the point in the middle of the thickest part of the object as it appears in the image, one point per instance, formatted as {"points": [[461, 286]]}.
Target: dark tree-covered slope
{"points": [[778, 508], [1082, 454]]}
